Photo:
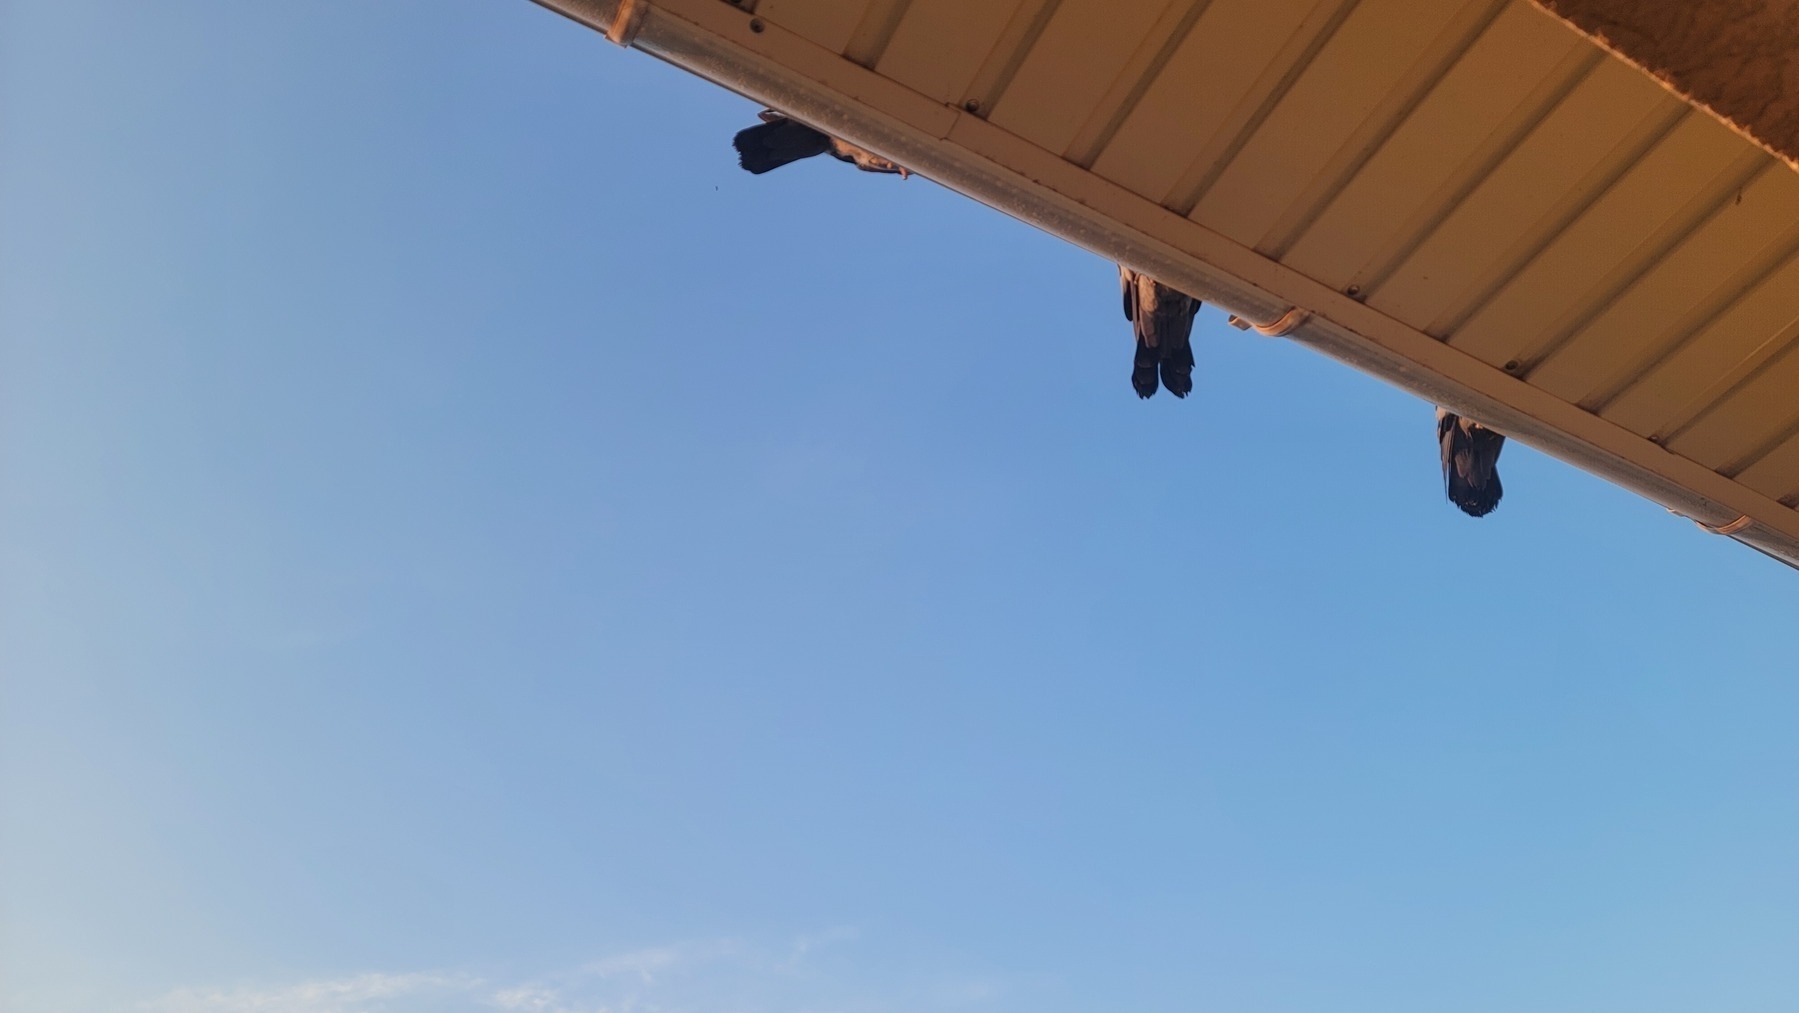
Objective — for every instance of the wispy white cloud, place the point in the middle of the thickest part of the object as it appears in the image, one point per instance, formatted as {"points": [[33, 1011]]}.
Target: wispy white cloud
{"points": [[804, 945], [530, 998], [646, 964], [332, 995], [713, 976]]}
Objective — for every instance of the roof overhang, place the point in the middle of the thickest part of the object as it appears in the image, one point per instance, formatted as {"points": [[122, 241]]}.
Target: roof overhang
{"points": [[1731, 57], [850, 81]]}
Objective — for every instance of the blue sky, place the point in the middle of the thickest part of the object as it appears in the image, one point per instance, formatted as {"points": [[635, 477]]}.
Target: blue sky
{"points": [[465, 545]]}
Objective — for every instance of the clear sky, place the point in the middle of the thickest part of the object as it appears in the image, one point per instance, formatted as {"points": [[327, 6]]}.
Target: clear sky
{"points": [[464, 544]]}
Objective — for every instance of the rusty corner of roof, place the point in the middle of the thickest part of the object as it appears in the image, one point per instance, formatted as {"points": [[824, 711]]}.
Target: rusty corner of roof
{"points": [[1726, 57]]}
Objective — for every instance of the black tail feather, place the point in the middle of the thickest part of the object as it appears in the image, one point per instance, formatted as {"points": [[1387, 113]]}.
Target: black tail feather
{"points": [[1475, 500], [1143, 371], [776, 143], [1177, 368]]}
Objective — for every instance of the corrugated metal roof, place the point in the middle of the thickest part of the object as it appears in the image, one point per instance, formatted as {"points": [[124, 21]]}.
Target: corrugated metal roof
{"points": [[1467, 198]]}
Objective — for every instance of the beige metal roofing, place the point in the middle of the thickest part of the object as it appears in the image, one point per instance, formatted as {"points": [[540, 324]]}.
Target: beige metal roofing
{"points": [[1466, 198]]}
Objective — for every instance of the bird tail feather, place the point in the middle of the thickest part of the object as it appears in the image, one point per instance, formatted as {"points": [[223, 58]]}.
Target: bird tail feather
{"points": [[1475, 500], [1177, 369], [772, 145], [1143, 370]]}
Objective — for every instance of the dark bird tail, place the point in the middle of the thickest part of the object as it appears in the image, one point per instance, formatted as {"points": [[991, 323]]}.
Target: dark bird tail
{"points": [[1143, 370], [776, 143], [1177, 370], [1177, 356], [1470, 463]]}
